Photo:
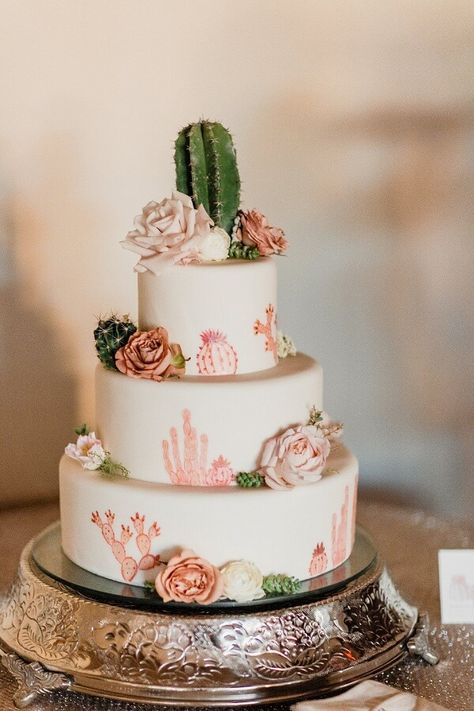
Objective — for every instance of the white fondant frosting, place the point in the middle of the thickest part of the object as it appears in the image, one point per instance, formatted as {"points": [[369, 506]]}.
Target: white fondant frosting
{"points": [[236, 298], [198, 430], [300, 532]]}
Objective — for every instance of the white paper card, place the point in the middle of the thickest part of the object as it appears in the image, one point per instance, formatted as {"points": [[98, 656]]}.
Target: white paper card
{"points": [[456, 585]]}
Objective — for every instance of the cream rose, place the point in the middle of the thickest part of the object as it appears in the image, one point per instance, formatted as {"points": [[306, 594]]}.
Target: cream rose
{"points": [[295, 457], [242, 581], [88, 451], [214, 247], [166, 227]]}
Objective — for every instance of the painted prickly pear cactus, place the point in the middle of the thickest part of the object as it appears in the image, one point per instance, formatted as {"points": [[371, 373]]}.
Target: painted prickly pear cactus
{"points": [[216, 356], [206, 170], [110, 335], [319, 560]]}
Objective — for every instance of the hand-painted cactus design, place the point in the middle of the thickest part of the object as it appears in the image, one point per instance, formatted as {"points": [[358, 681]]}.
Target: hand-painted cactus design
{"points": [[192, 469], [319, 561], [206, 169], [268, 329], [216, 356], [128, 564], [339, 532]]}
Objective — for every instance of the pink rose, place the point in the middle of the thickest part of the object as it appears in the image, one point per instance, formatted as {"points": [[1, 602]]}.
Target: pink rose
{"points": [[254, 231], [295, 457], [147, 354], [166, 226], [188, 578]]}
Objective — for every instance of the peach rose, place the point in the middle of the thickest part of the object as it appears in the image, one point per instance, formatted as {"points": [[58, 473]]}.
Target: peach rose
{"points": [[295, 457], [147, 354], [166, 226], [188, 578], [254, 231]]}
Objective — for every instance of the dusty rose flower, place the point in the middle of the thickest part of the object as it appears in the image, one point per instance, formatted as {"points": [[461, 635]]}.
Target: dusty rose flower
{"points": [[148, 354], [166, 226], [295, 457], [188, 578], [254, 231]]}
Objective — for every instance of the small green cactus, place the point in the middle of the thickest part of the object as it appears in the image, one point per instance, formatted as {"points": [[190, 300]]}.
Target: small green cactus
{"points": [[111, 334], [206, 170], [250, 480]]}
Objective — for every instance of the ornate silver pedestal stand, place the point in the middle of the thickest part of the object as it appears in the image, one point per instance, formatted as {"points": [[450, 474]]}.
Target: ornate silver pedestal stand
{"points": [[53, 636]]}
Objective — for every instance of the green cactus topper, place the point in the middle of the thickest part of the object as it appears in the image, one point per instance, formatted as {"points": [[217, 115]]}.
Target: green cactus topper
{"points": [[206, 170]]}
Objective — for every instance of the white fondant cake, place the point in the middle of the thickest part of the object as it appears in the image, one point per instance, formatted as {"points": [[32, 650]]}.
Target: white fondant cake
{"points": [[204, 299], [141, 420], [207, 411], [276, 530]]}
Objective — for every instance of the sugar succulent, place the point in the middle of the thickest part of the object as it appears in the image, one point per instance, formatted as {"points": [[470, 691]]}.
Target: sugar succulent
{"points": [[111, 334]]}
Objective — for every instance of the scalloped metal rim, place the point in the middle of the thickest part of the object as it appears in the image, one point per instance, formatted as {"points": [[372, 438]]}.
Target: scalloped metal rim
{"points": [[225, 659]]}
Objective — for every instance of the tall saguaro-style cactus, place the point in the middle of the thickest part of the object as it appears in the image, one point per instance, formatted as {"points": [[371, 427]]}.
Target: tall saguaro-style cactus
{"points": [[206, 170]]}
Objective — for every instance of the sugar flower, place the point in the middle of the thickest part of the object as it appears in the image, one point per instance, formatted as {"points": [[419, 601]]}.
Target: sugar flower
{"points": [[88, 451], [242, 581], [297, 456], [254, 231], [149, 355], [188, 578], [166, 227]]}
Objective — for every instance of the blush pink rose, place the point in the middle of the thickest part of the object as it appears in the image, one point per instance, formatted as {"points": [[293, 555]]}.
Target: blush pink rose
{"points": [[149, 355], [188, 578], [254, 231], [295, 457], [166, 226]]}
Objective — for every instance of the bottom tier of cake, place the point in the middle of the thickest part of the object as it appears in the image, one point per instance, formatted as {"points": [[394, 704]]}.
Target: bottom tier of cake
{"points": [[118, 528]]}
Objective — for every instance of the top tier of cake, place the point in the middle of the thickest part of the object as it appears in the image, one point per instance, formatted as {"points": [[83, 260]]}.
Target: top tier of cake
{"points": [[223, 314]]}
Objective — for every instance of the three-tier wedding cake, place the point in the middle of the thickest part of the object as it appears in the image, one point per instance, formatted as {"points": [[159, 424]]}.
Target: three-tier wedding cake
{"points": [[212, 470]]}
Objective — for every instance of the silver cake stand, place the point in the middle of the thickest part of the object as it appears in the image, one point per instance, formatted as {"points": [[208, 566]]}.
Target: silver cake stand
{"points": [[64, 628]]}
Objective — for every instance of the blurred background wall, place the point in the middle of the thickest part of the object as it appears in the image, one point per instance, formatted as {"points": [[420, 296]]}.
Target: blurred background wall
{"points": [[354, 125]]}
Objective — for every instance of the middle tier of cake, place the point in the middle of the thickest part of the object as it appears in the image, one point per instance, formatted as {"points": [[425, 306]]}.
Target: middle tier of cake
{"points": [[200, 431]]}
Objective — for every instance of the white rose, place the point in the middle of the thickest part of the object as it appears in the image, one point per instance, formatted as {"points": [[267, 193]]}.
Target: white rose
{"points": [[242, 581], [214, 247]]}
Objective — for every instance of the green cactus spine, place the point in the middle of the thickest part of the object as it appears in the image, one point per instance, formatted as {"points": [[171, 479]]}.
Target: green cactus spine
{"points": [[110, 335], [206, 170]]}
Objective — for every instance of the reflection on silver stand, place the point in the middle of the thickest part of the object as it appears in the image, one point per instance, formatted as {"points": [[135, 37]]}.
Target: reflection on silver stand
{"points": [[55, 638]]}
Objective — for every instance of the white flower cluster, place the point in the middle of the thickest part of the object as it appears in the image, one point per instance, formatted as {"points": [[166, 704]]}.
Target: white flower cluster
{"points": [[285, 345]]}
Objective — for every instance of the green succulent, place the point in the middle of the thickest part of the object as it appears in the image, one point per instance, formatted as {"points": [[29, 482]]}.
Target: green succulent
{"points": [[111, 334]]}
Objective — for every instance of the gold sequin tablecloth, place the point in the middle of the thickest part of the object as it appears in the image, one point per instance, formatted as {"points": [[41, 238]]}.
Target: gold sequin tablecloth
{"points": [[408, 540]]}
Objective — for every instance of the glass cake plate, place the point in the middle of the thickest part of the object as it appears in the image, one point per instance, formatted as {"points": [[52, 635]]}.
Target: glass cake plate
{"points": [[50, 559]]}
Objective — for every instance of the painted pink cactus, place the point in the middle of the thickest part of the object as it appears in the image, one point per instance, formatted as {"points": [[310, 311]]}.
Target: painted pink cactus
{"points": [[354, 509], [268, 329], [191, 469], [128, 564], [220, 473], [216, 356], [319, 561], [339, 532]]}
